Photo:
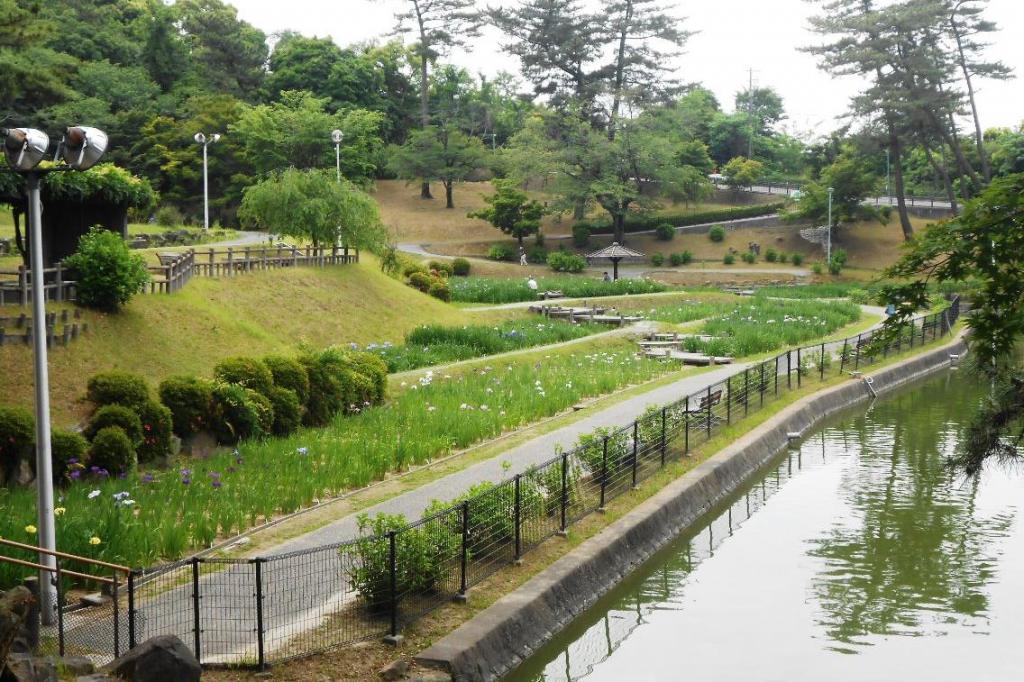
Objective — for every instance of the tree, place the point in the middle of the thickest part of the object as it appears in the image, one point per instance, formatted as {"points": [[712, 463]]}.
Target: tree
{"points": [[984, 244], [851, 182], [511, 211], [32, 75], [438, 25], [227, 53], [763, 106], [313, 205], [741, 172], [438, 153], [107, 273]]}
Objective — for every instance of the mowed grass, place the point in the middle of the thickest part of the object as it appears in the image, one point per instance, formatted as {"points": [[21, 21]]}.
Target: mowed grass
{"points": [[254, 314]]}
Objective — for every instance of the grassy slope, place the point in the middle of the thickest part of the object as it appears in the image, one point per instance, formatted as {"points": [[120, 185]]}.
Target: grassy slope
{"points": [[190, 331]]}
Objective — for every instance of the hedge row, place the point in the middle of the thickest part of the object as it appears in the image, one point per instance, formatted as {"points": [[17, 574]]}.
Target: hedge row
{"points": [[639, 222]]}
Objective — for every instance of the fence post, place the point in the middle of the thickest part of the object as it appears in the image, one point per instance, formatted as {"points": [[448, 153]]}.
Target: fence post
{"points": [[231, 261], [23, 286], [392, 637], [195, 608], [604, 470], [464, 553], [728, 399], [856, 354], [115, 599], [636, 449], [709, 413], [131, 610], [789, 370], [842, 357], [799, 369], [664, 442], [762, 385], [518, 518], [821, 363], [260, 650], [565, 492], [746, 391], [686, 424], [58, 578], [59, 281], [777, 374]]}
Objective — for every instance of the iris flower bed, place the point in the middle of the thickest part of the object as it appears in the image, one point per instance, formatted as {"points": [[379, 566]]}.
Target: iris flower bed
{"points": [[490, 290], [161, 515], [436, 344]]}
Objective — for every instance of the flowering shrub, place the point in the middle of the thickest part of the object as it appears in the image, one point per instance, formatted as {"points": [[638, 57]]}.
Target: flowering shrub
{"points": [[116, 415], [189, 400], [70, 452], [239, 413], [440, 290], [157, 424], [112, 451]]}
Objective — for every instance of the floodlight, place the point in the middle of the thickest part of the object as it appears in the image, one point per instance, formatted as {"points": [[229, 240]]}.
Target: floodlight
{"points": [[337, 136], [200, 138], [25, 148], [83, 147]]}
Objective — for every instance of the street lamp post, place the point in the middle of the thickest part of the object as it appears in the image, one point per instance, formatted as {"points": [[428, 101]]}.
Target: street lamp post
{"points": [[828, 249], [202, 139], [337, 136], [81, 147], [887, 193]]}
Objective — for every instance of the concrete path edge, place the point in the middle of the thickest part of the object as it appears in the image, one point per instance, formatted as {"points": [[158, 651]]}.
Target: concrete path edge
{"points": [[499, 638]]}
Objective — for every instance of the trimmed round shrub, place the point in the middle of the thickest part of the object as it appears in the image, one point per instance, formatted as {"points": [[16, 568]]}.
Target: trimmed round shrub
{"points": [[411, 268], [657, 259], [421, 281], [460, 267], [440, 291], [729, 259], [264, 412], [69, 449], [374, 368], [359, 390], [168, 216], [716, 233], [112, 449], [246, 372], [17, 437], [749, 258], [783, 257], [107, 273], [565, 261], [440, 267], [817, 268], [157, 424], [237, 415], [771, 255], [501, 252], [326, 386], [580, 234], [120, 416], [665, 232], [287, 410], [684, 258], [797, 258], [289, 373], [188, 399], [117, 388]]}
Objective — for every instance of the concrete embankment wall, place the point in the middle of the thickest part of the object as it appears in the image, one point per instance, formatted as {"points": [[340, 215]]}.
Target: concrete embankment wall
{"points": [[502, 636]]}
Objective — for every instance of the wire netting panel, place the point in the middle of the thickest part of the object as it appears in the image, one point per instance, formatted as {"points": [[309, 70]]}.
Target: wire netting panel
{"points": [[100, 633], [429, 557], [491, 529], [227, 611], [164, 603]]}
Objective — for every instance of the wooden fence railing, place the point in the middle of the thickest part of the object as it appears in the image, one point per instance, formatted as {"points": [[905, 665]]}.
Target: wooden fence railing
{"points": [[16, 285]]}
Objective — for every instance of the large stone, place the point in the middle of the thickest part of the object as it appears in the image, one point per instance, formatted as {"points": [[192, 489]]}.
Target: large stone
{"points": [[159, 659], [25, 668], [15, 606]]}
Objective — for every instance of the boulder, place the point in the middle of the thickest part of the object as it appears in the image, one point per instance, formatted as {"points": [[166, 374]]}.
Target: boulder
{"points": [[25, 668], [15, 606], [158, 659]]}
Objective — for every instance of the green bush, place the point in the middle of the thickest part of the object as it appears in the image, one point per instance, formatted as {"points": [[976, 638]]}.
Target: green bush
{"points": [[460, 267], [339, 381], [817, 268], [716, 233], [565, 261], [537, 254], [683, 258], [246, 372], [580, 234], [117, 388], [657, 260], [125, 418], [17, 437], [239, 413], [112, 450], [837, 262], [501, 252], [412, 268], [189, 400], [771, 255], [421, 281], [729, 259], [748, 257], [636, 222], [69, 449], [157, 424], [783, 258], [107, 274], [665, 232], [440, 291], [797, 258], [287, 410], [168, 216], [440, 267], [289, 373]]}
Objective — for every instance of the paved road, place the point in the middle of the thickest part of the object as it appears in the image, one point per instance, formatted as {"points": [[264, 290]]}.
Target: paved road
{"points": [[789, 189]]}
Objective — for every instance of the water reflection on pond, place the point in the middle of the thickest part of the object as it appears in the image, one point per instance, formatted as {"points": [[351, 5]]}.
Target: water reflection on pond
{"points": [[857, 557]]}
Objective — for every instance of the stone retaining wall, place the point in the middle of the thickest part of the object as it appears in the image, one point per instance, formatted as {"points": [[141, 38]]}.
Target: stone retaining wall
{"points": [[502, 636]]}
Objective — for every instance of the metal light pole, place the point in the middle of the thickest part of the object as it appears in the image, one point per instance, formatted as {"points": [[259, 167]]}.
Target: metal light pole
{"points": [[337, 136], [828, 251], [206, 142], [81, 148], [887, 193], [494, 137]]}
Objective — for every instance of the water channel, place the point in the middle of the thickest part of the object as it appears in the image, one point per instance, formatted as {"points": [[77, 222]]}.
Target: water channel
{"points": [[856, 556]]}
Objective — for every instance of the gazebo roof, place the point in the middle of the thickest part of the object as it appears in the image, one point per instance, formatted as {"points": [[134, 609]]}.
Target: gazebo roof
{"points": [[615, 251]]}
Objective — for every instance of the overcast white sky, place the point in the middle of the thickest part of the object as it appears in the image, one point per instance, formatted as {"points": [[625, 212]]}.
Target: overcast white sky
{"points": [[734, 36]]}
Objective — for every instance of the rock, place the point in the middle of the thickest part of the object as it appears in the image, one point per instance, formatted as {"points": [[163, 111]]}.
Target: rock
{"points": [[77, 665], [200, 444], [159, 659], [25, 668], [15, 606], [24, 474], [395, 671], [98, 677]]}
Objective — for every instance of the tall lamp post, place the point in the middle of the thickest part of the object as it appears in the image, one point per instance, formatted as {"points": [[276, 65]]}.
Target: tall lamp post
{"points": [[828, 249], [81, 147], [202, 139], [337, 136]]}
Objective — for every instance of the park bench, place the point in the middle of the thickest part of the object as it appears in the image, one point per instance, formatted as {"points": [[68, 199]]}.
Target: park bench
{"points": [[168, 257], [546, 295], [705, 409]]}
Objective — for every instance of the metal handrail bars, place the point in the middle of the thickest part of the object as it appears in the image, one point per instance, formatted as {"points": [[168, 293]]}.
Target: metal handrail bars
{"points": [[64, 555]]}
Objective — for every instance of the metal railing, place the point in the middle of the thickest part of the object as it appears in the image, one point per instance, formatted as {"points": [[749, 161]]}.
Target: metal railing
{"points": [[270, 609]]}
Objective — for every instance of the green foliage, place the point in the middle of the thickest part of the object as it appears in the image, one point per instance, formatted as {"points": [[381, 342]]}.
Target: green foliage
{"points": [[313, 205], [537, 254], [246, 372], [566, 261], [438, 153], [741, 172], [103, 183], [665, 232], [117, 388], [490, 290], [581, 234], [69, 449], [157, 425], [851, 181], [728, 259], [287, 410], [460, 267], [107, 273], [390, 263], [749, 258], [501, 251], [682, 258], [636, 222], [716, 233], [817, 268], [17, 437], [239, 413], [441, 268], [333, 385], [797, 259], [510, 210], [657, 260], [783, 257], [125, 418], [440, 290], [421, 281], [113, 450], [190, 401], [771, 255], [168, 216], [837, 262], [289, 373]]}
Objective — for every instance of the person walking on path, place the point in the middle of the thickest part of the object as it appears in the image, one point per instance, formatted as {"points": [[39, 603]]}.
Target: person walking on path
{"points": [[522, 256]]}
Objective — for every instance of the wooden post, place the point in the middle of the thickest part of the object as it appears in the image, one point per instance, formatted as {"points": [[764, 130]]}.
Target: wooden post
{"points": [[59, 280], [23, 285], [231, 261], [248, 263]]}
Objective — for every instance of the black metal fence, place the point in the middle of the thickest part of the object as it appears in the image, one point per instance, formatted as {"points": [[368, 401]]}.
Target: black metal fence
{"points": [[271, 609]]}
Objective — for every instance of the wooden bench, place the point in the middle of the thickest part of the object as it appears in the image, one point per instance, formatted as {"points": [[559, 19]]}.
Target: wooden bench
{"points": [[707, 404], [547, 295], [169, 257]]}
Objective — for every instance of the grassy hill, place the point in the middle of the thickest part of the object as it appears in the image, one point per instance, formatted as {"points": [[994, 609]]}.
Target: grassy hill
{"points": [[258, 313]]}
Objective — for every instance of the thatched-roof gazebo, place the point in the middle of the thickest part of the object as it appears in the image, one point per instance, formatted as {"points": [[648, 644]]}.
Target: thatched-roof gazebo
{"points": [[615, 253]]}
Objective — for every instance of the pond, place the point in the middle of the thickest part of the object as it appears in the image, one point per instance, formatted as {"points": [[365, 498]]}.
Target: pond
{"points": [[857, 556]]}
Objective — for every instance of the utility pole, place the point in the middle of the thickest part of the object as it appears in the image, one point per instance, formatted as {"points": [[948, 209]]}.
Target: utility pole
{"points": [[828, 249], [750, 112], [337, 137]]}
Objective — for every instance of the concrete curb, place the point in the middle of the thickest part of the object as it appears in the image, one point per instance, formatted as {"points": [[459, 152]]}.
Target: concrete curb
{"points": [[499, 638]]}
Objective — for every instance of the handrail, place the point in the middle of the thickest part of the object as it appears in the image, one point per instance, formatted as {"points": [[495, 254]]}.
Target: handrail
{"points": [[64, 555], [53, 569]]}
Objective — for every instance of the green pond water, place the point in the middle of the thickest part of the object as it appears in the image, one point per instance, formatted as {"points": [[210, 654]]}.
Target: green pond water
{"points": [[857, 556]]}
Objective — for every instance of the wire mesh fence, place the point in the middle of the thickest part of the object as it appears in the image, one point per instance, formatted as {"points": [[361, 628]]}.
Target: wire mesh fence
{"points": [[271, 609]]}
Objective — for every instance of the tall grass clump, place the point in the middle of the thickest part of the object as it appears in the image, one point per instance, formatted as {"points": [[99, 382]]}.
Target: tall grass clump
{"points": [[489, 290]]}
